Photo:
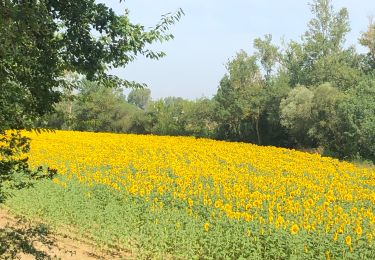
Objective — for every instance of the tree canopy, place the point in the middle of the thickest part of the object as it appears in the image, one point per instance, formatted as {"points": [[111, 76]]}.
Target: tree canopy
{"points": [[41, 40]]}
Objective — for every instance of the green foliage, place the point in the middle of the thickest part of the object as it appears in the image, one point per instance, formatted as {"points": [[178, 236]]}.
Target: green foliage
{"points": [[42, 39], [155, 230], [272, 130], [14, 169], [199, 118], [29, 63], [141, 122], [91, 106], [340, 122], [325, 117], [99, 108], [321, 57], [357, 121], [177, 116], [239, 99], [12, 147], [168, 116], [267, 53], [140, 97], [295, 112], [311, 116], [368, 38], [327, 30]]}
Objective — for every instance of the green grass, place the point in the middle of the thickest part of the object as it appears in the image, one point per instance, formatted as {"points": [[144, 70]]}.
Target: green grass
{"points": [[110, 219], [114, 219]]}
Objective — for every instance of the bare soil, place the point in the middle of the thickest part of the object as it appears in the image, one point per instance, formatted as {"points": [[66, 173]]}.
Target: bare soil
{"points": [[22, 239]]}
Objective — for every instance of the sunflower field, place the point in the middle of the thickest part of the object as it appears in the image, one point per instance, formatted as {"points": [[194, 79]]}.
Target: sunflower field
{"points": [[212, 199]]}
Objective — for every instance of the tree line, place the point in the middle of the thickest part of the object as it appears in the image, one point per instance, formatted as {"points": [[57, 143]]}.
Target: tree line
{"points": [[314, 93]]}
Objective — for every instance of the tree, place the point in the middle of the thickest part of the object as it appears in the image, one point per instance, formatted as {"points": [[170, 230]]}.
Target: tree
{"points": [[368, 40], [268, 54], [327, 30], [41, 40], [321, 56], [63, 116], [357, 121], [295, 113], [140, 97], [239, 99], [273, 132], [168, 116], [141, 122], [199, 118], [101, 109], [326, 122]]}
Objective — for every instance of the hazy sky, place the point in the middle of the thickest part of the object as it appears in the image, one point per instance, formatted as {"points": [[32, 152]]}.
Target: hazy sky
{"points": [[212, 31]]}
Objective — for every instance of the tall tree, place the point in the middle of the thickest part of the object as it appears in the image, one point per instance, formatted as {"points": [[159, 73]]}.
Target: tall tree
{"points": [[357, 122], [63, 116], [239, 99], [326, 30], [321, 57], [268, 54], [39, 40], [368, 40]]}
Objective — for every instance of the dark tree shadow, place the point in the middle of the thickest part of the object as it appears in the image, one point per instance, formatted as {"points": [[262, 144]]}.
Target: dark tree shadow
{"points": [[18, 240]]}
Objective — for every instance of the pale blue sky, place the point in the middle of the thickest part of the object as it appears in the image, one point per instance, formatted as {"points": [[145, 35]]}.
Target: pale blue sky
{"points": [[212, 31]]}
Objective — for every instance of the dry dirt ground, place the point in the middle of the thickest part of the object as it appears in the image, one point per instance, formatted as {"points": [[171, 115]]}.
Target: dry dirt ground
{"points": [[21, 239]]}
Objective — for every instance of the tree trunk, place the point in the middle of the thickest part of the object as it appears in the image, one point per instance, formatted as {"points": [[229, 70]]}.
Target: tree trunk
{"points": [[257, 129]]}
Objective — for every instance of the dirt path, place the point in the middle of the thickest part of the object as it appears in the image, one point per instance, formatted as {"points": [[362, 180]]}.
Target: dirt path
{"points": [[20, 239]]}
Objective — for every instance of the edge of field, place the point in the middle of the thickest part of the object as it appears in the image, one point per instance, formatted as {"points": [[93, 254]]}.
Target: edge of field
{"points": [[25, 238]]}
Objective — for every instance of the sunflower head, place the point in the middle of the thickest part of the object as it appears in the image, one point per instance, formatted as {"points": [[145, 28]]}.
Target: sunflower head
{"points": [[348, 240], [206, 226], [294, 229]]}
